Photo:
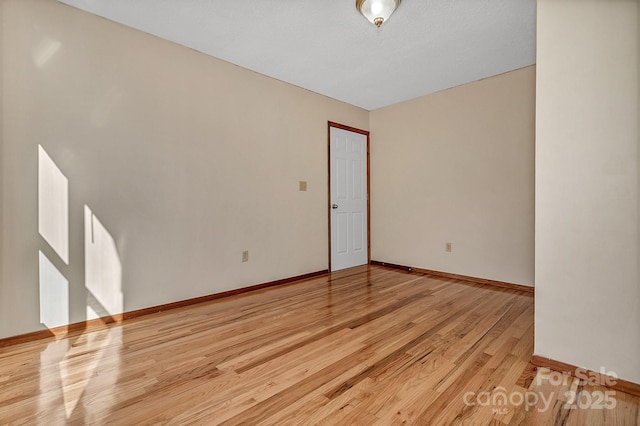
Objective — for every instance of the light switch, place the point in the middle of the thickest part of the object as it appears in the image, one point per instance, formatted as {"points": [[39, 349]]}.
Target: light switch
{"points": [[303, 185]]}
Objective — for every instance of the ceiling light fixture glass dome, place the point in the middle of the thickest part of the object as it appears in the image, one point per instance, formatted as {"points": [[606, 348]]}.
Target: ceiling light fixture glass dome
{"points": [[377, 11]]}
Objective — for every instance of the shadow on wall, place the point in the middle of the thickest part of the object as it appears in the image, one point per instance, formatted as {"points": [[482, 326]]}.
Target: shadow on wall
{"points": [[102, 266]]}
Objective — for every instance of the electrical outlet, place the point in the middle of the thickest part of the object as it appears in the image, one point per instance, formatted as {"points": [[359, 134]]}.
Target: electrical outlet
{"points": [[448, 247], [245, 256], [303, 185]]}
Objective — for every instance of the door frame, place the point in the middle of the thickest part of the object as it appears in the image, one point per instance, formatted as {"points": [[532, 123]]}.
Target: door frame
{"points": [[331, 124]]}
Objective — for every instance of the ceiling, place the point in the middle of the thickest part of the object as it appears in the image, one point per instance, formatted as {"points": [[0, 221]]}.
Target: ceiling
{"points": [[329, 48]]}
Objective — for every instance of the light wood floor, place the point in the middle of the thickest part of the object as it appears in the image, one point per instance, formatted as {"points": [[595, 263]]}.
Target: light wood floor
{"points": [[363, 346]]}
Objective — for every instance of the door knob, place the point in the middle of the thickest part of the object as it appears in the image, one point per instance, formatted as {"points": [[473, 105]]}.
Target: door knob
{"points": [[334, 206]]}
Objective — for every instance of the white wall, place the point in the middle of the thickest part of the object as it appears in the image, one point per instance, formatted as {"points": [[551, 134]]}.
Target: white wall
{"points": [[173, 163], [457, 166], [587, 185]]}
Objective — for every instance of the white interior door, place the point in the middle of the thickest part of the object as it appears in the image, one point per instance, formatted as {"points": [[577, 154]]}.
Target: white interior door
{"points": [[348, 215]]}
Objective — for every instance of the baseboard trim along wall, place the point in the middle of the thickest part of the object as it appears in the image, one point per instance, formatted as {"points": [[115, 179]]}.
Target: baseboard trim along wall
{"points": [[98, 323], [614, 383], [494, 283]]}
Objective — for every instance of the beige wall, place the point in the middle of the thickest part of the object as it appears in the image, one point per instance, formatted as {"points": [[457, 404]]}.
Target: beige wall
{"points": [[588, 185], [175, 163], [457, 166], [3, 302]]}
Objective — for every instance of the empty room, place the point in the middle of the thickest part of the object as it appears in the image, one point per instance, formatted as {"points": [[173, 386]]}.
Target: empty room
{"points": [[345, 212]]}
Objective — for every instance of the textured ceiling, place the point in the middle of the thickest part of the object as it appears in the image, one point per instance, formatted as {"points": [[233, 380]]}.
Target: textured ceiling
{"points": [[329, 48]]}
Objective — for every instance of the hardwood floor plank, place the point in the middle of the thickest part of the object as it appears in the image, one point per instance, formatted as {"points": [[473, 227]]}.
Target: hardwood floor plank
{"points": [[368, 345]]}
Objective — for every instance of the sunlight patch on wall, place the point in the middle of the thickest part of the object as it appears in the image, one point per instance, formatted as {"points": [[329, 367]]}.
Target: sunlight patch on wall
{"points": [[45, 50], [53, 205], [103, 270], [54, 295]]}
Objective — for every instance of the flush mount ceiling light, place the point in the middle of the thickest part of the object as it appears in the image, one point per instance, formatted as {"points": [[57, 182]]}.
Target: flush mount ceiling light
{"points": [[377, 11]]}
